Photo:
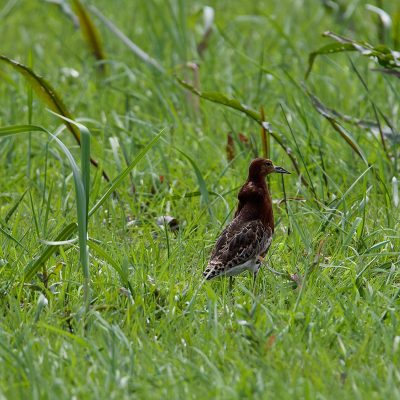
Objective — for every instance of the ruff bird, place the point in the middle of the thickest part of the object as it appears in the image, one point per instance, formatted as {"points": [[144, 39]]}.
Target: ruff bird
{"points": [[245, 241]]}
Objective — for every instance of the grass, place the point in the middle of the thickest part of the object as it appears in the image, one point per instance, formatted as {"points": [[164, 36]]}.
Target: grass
{"points": [[128, 316]]}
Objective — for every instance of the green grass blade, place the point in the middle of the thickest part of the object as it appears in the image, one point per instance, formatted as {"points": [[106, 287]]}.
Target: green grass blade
{"points": [[202, 184], [325, 112], [85, 156], [341, 200], [12, 210], [117, 181], [327, 49], [220, 98], [381, 53], [122, 272], [89, 31], [81, 205], [44, 91], [13, 129], [35, 265], [131, 46], [49, 96], [32, 268], [62, 332], [105, 256], [5, 233], [82, 181]]}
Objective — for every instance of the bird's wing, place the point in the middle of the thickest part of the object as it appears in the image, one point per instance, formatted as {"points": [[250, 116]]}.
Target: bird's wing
{"points": [[237, 244], [227, 234]]}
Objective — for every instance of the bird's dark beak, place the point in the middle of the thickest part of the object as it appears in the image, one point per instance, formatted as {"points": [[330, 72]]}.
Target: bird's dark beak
{"points": [[280, 170]]}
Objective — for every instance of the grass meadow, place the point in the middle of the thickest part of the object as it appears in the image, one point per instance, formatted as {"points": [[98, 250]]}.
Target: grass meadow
{"points": [[101, 265]]}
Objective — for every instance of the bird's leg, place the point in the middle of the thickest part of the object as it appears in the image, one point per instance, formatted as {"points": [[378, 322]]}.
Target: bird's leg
{"points": [[230, 291], [254, 281], [230, 284], [255, 273]]}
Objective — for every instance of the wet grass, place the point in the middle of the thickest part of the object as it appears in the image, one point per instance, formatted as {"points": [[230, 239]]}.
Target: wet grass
{"points": [[101, 289]]}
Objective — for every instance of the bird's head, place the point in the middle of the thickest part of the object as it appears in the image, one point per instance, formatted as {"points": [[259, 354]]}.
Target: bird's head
{"points": [[261, 167]]}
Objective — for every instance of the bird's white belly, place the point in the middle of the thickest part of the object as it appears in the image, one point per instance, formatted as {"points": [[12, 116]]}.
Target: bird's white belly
{"points": [[250, 265]]}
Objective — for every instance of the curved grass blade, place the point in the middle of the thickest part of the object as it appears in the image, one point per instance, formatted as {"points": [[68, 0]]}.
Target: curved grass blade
{"points": [[384, 24], [110, 260], [201, 182], [66, 10], [13, 129], [32, 268], [208, 17], [85, 156], [325, 112], [327, 49], [14, 208], [124, 39], [387, 71], [49, 96], [62, 243], [117, 181], [89, 31], [361, 123], [5, 233], [384, 55], [66, 233], [82, 181], [44, 91], [341, 200], [220, 98]]}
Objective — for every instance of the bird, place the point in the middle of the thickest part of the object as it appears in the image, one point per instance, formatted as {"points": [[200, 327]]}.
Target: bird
{"points": [[245, 241]]}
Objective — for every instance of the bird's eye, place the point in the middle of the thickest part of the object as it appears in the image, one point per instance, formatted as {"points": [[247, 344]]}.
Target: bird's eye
{"points": [[268, 164]]}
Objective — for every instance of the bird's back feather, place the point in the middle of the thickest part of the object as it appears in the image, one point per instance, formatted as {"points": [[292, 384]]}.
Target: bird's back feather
{"points": [[240, 244]]}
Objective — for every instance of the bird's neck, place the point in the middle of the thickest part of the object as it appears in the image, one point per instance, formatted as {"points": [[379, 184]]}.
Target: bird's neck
{"points": [[255, 202], [266, 212]]}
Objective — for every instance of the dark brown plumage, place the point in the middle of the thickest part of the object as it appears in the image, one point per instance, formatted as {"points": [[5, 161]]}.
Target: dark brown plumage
{"points": [[247, 238]]}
